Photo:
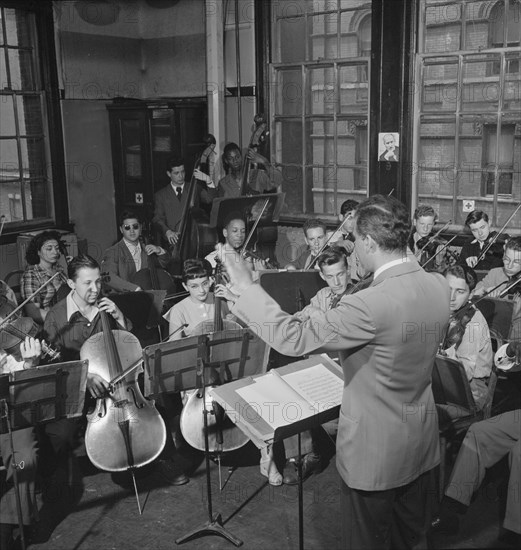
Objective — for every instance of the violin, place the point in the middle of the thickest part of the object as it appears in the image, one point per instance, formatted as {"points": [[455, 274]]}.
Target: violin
{"points": [[352, 288], [457, 326], [125, 430], [14, 331], [223, 435]]}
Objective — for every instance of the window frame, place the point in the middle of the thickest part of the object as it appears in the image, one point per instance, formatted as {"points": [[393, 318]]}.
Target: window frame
{"points": [[52, 130]]}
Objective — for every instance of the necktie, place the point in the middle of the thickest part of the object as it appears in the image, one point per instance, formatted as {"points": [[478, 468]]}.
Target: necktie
{"points": [[179, 192]]}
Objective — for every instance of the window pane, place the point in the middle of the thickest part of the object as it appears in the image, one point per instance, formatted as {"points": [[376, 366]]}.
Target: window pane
{"points": [[29, 115], [11, 201], [289, 93], [22, 71], [290, 133], [37, 199], [440, 91], [477, 29], [322, 91], [18, 25], [7, 126], [33, 157], [480, 93], [354, 90], [4, 83], [292, 40], [9, 167]]}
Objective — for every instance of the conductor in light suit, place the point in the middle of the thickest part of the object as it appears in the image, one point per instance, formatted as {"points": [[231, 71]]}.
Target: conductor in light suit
{"points": [[387, 337]]}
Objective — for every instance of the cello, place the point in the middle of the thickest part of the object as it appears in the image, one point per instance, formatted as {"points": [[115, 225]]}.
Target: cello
{"points": [[125, 430], [223, 435]]}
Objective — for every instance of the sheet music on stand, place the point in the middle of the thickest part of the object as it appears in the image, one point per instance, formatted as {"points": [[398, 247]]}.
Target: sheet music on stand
{"points": [[46, 393], [284, 401], [172, 366]]}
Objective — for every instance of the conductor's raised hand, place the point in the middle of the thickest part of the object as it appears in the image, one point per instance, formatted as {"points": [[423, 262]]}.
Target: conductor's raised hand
{"points": [[238, 271]]}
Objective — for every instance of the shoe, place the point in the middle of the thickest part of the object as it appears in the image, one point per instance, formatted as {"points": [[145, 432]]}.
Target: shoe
{"points": [[310, 465], [445, 524], [171, 472], [268, 469]]}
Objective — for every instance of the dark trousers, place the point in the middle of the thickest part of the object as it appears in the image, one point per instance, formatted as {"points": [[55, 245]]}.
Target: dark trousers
{"points": [[395, 518]]}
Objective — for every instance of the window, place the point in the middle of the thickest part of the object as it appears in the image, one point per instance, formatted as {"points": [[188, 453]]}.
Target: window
{"points": [[320, 100], [26, 194], [467, 124]]}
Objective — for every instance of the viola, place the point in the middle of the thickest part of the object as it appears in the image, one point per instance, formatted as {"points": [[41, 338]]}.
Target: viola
{"points": [[125, 430], [457, 326], [223, 435]]}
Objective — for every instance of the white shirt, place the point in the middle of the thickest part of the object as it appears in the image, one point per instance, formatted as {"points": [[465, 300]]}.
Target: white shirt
{"points": [[135, 252], [390, 264]]}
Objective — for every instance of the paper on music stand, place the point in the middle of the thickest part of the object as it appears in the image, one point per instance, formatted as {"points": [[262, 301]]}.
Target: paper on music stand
{"points": [[281, 400], [318, 386]]}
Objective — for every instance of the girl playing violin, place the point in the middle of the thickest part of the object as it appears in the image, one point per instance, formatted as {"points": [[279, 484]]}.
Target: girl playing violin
{"points": [[468, 336], [42, 257]]}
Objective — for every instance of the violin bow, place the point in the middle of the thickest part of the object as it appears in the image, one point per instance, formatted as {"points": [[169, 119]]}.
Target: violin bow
{"points": [[431, 239], [248, 238], [2, 323], [438, 252], [496, 236]]}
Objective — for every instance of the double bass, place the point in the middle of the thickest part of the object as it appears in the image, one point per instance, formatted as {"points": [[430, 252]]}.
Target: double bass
{"points": [[125, 430], [196, 237]]}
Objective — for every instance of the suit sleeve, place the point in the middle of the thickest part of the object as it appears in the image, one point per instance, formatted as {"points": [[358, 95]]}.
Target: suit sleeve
{"points": [[159, 212], [109, 264], [347, 326]]}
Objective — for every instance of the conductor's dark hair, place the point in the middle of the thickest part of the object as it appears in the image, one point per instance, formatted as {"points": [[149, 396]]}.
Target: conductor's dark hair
{"points": [[83, 261], [196, 268], [347, 206], [128, 215], [331, 256], [463, 271], [476, 216], [174, 162], [311, 223], [386, 220], [36, 244]]}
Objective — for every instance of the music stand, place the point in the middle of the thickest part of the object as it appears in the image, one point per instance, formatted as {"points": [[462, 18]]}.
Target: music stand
{"points": [[38, 395], [288, 288], [182, 365]]}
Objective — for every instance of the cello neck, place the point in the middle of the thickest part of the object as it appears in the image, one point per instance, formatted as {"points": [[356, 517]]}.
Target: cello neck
{"points": [[114, 362]]}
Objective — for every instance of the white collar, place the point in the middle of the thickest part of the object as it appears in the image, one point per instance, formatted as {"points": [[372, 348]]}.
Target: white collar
{"points": [[174, 187], [72, 307], [390, 264]]}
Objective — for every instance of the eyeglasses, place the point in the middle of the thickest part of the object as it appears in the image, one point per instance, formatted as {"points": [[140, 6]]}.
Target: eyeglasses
{"points": [[129, 227]]}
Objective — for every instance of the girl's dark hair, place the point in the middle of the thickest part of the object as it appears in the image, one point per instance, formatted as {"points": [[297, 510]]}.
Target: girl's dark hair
{"points": [[36, 244], [195, 268]]}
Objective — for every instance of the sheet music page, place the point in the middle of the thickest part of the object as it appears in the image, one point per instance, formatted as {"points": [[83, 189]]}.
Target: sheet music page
{"points": [[318, 385], [273, 399]]}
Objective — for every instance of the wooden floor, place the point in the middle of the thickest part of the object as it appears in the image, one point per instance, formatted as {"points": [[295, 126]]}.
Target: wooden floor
{"points": [[101, 512]]}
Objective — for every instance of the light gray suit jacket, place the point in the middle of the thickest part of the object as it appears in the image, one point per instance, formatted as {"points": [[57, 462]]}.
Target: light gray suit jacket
{"points": [[387, 337]]}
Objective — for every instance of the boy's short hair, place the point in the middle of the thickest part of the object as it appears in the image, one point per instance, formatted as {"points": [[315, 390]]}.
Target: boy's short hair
{"points": [[424, 210], [476, 216], [331, 256], [312, 223], [463, 271], [347, 206]]}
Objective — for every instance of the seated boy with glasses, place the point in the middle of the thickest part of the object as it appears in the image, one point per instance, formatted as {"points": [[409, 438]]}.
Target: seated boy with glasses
{"points": [[129, 255]]}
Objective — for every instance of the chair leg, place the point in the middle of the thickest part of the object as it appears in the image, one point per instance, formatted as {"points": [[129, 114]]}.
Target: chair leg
{"points": [[443, 458]]}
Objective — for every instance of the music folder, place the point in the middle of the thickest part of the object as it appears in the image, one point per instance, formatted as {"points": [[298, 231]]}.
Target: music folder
{"points": [[284, 401]]}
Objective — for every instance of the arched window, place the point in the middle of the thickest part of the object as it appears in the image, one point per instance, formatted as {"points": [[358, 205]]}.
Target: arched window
{"points": [[505, 32]]}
